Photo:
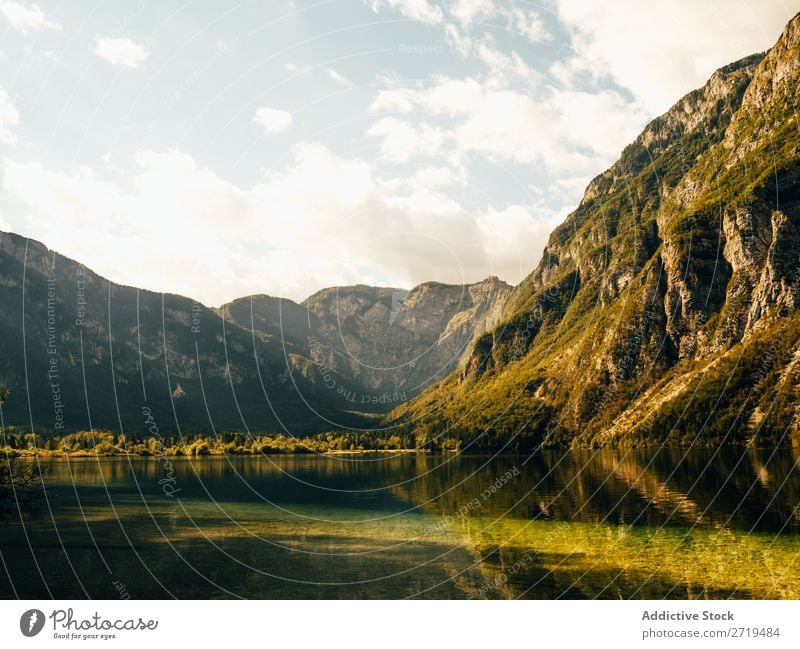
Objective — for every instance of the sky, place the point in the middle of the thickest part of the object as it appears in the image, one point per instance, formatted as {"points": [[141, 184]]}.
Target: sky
{"points": [[219, 150]]}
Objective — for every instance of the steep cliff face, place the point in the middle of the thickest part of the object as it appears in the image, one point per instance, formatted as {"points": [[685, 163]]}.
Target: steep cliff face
{"points": [[659, 298], [397, 341], [388, 343]]}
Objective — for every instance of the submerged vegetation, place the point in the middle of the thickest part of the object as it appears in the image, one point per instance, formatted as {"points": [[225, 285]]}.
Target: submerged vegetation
{"points": [[582, 560], [574, 525]]}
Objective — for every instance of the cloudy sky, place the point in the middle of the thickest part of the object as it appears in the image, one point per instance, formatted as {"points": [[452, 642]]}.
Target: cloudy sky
{"points": [[281, 146]]}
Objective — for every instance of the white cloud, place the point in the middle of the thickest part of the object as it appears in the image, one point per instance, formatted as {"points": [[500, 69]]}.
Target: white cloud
{"points": [[522, 135], [324, 221], [420, 10], [436, 177], [528, 23], [24, 17], [130, 235], [293, 67], [499, 228], [576, 114], [400, 100], [660, 51], [504, 67], [555, 127], [318, 179], [120, 51], [9, 118], [272, 120], [560, 130], [402, 140], [523, 18], [469, 10], [454, 96], [444, 96], [339, 78]]}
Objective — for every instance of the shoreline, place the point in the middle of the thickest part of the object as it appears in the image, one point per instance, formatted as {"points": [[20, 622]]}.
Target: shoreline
{"points": [[80, 455]]}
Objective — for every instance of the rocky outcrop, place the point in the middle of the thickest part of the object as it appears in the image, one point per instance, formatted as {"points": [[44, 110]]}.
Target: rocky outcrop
{"points": [[770, 101], [389, 343]]}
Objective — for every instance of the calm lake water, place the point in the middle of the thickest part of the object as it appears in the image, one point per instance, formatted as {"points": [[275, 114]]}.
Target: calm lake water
{"points": [[641, 524]]}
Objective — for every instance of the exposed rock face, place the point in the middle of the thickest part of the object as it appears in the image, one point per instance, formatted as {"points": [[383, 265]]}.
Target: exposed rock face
{"points": [[770, 101], [388, 343], [666, 305]]}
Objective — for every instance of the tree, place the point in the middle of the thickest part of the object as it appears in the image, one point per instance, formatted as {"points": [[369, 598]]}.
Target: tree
{"points": [[20, 482]]}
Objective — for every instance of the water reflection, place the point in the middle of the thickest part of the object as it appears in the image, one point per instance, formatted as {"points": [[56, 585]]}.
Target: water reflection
{"points": [[575, 524]]}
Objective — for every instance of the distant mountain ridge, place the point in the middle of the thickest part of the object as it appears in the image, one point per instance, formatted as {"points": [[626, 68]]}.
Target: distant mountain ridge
{"points": [[386, 340], [80, 352]]}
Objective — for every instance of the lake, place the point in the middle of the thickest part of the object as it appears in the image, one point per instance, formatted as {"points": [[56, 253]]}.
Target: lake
{"points": [[576, 524]]}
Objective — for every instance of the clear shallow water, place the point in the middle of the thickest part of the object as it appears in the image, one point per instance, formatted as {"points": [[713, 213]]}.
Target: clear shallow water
{"points": [[640, 524]]}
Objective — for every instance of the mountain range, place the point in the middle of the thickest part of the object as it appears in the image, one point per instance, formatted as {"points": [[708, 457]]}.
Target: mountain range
{"points": [[80, 352], [664, 310]]}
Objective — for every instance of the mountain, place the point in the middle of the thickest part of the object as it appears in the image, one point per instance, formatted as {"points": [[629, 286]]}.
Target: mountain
{"points": [[80, 352], [665, 307], [389, 343], [664, 310]]}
